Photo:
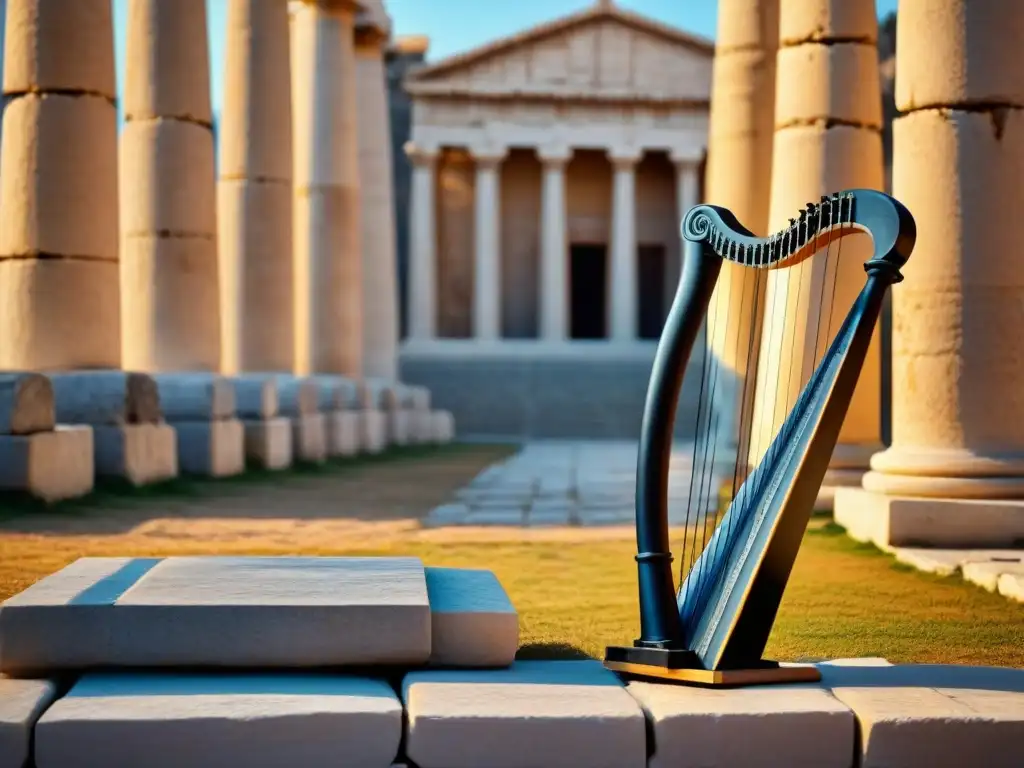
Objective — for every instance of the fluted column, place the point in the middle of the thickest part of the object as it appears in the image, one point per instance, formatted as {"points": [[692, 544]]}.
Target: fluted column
{"points": [[169, 282], [254, 193], [487, 241], [422, 293], [954, 474], [554, 254], [328, 217], [59, 219], [376, 182], [827, 138], [624, 319]]}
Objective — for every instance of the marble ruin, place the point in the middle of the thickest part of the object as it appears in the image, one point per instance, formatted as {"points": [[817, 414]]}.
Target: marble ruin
{"points": [[128, 267]]}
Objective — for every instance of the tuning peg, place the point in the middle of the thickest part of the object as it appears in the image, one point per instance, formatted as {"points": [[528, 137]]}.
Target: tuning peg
{"points": [[792, 222]]}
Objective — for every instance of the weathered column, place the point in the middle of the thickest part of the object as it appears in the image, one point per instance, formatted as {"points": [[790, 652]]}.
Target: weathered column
{"points": [[624, 318], [58, 222], [422, 293], [738, 176], [954, 474], [169, 284], [554, 246], [827, 138], [328, 218], [487, 235], [254, 193], [376, 182]]}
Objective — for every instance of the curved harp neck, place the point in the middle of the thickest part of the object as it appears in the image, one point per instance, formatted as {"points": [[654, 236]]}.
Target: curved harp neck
{"points": [[816, 226]]}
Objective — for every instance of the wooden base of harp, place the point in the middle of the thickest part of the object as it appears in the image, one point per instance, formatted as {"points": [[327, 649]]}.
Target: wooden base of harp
{"points": [[681, 667]]}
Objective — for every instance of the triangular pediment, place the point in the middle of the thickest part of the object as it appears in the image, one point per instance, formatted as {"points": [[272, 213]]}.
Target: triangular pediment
{"points": [[602, 52]]}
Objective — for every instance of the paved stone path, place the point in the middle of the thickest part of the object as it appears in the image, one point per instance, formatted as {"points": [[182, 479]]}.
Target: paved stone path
{"points": [[569, 483]]}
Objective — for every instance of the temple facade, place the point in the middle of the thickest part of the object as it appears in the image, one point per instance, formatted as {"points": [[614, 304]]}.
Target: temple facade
{"points": [[550, 172]]}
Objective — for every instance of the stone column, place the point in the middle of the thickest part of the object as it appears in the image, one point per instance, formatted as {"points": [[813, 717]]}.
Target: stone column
{"points": [[423, 241], [376, 181], [169, 284], [954, 474], [487, 234], [328, 217], [58, 222], [738, 177], [554, 246], [254, 194], [623, 303], [827, 138], [687, 183]]}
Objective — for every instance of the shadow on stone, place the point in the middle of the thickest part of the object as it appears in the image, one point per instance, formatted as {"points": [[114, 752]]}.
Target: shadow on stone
{"points": [[550, 651]]}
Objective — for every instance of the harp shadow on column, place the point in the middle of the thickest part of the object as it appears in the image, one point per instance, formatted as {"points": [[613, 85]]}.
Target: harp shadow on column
{"points": [[714, 629]]}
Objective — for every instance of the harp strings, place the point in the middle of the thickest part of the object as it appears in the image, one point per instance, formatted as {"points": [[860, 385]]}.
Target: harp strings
{"points": [[705, 575]]}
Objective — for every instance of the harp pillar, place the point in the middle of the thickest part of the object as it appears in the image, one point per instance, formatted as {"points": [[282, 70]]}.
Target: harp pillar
{"points": [[954, 474], [624, 264], [554, 243], [422, 290], [487, 239]]}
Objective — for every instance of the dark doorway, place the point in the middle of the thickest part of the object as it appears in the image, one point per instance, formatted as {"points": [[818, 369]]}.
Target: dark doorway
{"points": [[589, 278], [651, 286]]}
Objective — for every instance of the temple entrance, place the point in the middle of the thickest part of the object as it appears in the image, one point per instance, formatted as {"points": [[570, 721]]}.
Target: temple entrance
{"points": [[588, 291], [651, 290]]}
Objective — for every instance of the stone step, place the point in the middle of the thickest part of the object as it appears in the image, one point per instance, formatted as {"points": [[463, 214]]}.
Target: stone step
{"points": [[211, 721], [257, 612], [21, 704]]}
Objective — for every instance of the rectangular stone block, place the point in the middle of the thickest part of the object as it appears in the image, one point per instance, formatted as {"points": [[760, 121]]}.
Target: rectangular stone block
{"points": [[108, 397], [309, 437], [336, 393], [239, 612], [268, 443], [260, 720], [296, 395], [343, 438], [138, 453], [49, 465], [26, 404], [211, 448], [534, 714], [255, 396], [21, 704], [399, 426], [890, 521], [195, 396], [443, 427], [792, 725], [933, 715], [373, 430], [421, 427], [472, 621]]}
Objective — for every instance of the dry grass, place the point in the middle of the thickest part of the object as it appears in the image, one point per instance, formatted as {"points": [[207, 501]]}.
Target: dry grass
{"points": [[575, 588]]}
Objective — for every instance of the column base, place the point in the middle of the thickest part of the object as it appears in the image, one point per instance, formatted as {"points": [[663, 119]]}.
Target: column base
{"points": [[373, 431], [900, 521], [211, 448], [268, 443], [343, 437], [309, 438], [139, 453], [51, 466]]}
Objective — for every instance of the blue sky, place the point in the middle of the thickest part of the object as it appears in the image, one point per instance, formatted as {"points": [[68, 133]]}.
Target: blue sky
{"points": [[457, 25]]}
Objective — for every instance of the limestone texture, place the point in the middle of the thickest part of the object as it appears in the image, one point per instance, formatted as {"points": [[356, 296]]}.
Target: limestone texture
{"points": [[534, 714], [237, 612], [26, 404], [211, 448], [139, 453], [106, 397], [21, 704], [262, 720], [51, 465], [268, 443], [472, 620]]}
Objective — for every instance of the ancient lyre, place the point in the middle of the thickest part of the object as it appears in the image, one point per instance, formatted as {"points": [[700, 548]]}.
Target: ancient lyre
{"points": [[714, 630]]}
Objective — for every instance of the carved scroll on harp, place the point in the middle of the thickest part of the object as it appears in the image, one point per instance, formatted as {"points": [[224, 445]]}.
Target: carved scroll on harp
{"points": [[715, 629]]}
